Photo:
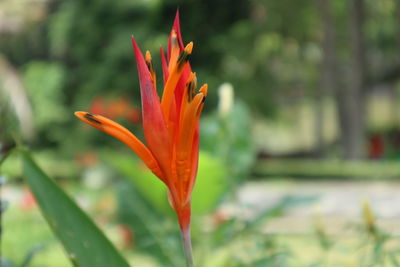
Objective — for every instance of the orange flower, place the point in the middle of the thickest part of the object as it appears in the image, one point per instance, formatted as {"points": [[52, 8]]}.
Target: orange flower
{"points": [[171, 126]]}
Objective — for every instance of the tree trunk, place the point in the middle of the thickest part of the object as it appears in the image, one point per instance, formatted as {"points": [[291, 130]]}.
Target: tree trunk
{"points": [[397, 15], [329, 78], [356, 94], [349, 91]]}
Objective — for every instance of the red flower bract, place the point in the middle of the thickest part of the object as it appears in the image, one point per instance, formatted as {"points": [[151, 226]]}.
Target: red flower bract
{"points": [[171, 125]]}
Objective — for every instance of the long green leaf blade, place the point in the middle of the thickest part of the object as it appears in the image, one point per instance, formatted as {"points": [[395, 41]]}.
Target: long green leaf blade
{"points": [[84, 242]]}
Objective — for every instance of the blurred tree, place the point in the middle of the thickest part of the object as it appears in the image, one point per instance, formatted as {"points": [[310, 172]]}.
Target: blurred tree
{"points": [[345, 65], [350, 94], [271, 52]]}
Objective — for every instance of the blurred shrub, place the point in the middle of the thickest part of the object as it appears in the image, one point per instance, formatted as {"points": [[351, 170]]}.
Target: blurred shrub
{"points": [[228, 137], [211, 183], [44, 83], [153, 233]]}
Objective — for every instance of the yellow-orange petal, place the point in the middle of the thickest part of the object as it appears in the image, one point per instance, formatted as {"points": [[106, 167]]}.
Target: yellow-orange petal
{"points": [[189, 120], [149, 64], [194, 162], [174, 51], [118, 131], [204, 89], [173, 79]]}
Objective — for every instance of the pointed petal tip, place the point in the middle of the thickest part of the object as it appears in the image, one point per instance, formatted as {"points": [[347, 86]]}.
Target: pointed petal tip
{"points": [[148, 56], [79, 114], [89, 118], [137, 51], [189, 48], [135, 46], [177, 16], [177, 28], [204, 89]]}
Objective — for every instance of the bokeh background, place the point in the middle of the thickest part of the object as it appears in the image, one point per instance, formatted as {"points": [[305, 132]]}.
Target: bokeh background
{"points": [[300, 137]]}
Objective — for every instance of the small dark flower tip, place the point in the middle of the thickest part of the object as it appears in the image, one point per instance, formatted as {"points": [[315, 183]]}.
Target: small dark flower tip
{"points": [[91, 117], [87, 116]]}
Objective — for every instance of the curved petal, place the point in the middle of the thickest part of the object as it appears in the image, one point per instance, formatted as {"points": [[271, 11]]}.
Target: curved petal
{"points": [[116, 130], [155, 128]]}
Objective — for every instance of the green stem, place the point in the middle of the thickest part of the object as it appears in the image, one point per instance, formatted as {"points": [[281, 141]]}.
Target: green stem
{"points": [[187, 246]]}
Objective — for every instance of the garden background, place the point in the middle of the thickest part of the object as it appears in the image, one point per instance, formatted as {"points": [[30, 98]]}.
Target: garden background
{"points": [[300, 135]]}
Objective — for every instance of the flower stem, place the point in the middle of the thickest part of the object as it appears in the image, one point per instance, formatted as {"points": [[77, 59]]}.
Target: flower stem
{"points": [[187, 246]]}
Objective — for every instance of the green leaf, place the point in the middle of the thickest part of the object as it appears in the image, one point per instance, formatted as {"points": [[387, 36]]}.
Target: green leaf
{"points": [[211, 184], [84, 242], [146, 183]]}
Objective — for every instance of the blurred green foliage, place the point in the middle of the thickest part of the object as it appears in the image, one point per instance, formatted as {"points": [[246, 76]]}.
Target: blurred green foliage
{"points": [[153, 234], [211, 183], [230, 241], [43, 81], [228, 137], [269, 50], [17, 243]]}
